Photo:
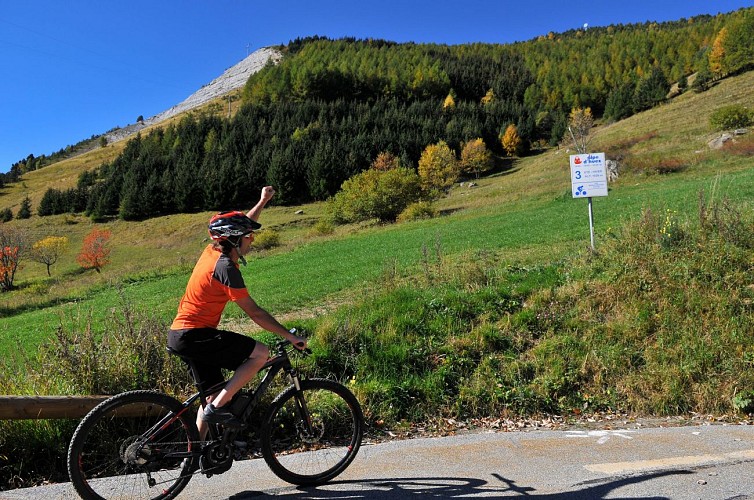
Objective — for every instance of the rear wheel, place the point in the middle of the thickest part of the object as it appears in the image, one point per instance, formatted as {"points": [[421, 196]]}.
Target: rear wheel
{"points": [[116, 452], [310, 436]]}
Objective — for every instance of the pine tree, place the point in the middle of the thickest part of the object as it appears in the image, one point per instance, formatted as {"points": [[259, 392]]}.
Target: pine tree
{"points": [[651, 90], [619, 102], [25, 211]]}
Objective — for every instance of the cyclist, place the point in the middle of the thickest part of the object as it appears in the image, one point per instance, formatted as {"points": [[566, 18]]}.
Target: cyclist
{"points": [[216, 280]]}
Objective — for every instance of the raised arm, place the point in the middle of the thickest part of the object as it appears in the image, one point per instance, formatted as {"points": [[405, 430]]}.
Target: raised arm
{"points": [[267, 193]]}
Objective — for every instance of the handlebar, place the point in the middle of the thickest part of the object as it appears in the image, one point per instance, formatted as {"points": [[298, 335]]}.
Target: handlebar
{"points": [[283, 344]]}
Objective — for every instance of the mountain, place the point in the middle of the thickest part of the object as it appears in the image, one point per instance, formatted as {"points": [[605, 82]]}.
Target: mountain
{"points": [[232, 79]]}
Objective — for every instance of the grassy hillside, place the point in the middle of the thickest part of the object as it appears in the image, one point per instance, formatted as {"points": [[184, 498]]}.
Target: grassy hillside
{"points": [[495, 308], [525, 211]]}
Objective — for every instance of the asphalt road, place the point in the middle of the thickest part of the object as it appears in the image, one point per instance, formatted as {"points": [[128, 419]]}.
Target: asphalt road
{"points": [[707, 462]]}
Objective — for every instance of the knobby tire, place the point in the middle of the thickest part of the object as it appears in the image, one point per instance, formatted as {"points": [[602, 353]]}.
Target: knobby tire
{"points": [[310, 455], [105, 463]]}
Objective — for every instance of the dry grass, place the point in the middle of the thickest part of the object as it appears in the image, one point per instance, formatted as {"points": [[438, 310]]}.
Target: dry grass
{"points": [[742, 146]]}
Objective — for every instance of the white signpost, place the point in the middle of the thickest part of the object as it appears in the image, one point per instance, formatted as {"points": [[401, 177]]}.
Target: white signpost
{"points": [[589, 178]]}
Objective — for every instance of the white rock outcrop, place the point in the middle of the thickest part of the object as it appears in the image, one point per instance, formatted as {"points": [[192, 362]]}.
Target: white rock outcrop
{"points": [[233, 78]]}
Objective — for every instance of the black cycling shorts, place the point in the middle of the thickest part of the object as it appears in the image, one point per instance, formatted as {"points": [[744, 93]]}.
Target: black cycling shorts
{"points": [[211, 350]]}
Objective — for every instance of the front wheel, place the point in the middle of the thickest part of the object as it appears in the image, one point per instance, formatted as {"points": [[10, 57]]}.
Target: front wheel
{"points": [[310, 436], [136, 445]]}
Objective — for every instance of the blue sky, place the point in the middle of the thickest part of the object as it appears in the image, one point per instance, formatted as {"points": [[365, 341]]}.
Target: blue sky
{"points": [[73, 69]]}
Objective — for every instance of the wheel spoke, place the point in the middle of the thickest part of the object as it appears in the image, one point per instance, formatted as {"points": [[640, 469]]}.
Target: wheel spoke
{"points": [[109, 458], [312, 448]]}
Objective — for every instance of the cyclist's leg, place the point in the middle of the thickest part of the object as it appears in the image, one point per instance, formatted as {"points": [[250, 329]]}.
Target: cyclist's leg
{"points": [[210, 350], [243, 374], [201, 425]]}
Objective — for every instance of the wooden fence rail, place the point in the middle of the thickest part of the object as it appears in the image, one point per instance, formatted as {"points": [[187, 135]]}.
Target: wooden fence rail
{"points": [[47, 407]]}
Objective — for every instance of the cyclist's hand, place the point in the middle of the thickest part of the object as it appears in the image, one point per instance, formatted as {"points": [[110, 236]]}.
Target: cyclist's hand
{"points": [[299, 343], [267, 193], [297, 340]]}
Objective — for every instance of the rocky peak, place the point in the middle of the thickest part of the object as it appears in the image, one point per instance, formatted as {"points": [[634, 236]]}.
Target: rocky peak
{"points": [[233, 78]]}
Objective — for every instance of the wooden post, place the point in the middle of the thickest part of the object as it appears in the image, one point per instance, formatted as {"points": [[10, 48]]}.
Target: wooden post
{"points": [[43, 407]]}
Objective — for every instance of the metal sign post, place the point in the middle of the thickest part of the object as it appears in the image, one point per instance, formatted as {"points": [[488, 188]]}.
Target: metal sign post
{"points": [[591, 223], [588, 179]]}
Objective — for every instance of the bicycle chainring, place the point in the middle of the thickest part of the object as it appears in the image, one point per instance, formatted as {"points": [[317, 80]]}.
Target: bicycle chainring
{"points": [[216, 458]]}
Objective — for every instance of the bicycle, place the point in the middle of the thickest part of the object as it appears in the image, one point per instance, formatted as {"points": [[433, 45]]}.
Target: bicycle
{"points": [[145, 444]]}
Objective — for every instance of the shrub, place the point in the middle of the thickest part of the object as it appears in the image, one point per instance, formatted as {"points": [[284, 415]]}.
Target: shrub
{"points": [[323, 227], [375, 194], [95, 252], [266, 239], [660, 279], [741, 147], [669, 166], [6, 215], [418, 210], [730, 117]]}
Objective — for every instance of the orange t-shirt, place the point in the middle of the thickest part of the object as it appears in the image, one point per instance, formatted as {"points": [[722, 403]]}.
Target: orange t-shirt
{"points": [[215, 281]]}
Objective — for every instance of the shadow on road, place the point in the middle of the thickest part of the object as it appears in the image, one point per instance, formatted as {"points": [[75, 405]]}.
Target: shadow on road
{"points": [[442, 487]]}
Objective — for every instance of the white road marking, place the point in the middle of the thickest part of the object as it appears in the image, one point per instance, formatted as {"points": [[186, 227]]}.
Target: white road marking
{"points": [[671, 462], [602, 435]]}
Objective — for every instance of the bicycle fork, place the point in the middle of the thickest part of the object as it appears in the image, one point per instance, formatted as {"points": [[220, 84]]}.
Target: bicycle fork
{"points": [[301, 408]]}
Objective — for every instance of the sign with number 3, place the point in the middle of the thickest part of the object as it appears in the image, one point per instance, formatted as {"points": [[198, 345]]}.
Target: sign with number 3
{"points": [[588, 175]]}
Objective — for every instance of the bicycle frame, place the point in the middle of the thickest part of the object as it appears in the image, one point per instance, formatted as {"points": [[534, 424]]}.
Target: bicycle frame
{"points": [[274, 365], [280, 362]]}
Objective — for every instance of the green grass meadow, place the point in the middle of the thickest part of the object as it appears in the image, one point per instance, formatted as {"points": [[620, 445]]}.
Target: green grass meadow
{"points": [[317, 272]]}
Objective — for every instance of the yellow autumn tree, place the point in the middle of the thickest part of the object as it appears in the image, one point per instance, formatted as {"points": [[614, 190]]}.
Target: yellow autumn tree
{"points": [[738, 44], [47, 251], [489, 97], [511, 141], [475, 157], [449, 102], [438, 167], [717, 54]]}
